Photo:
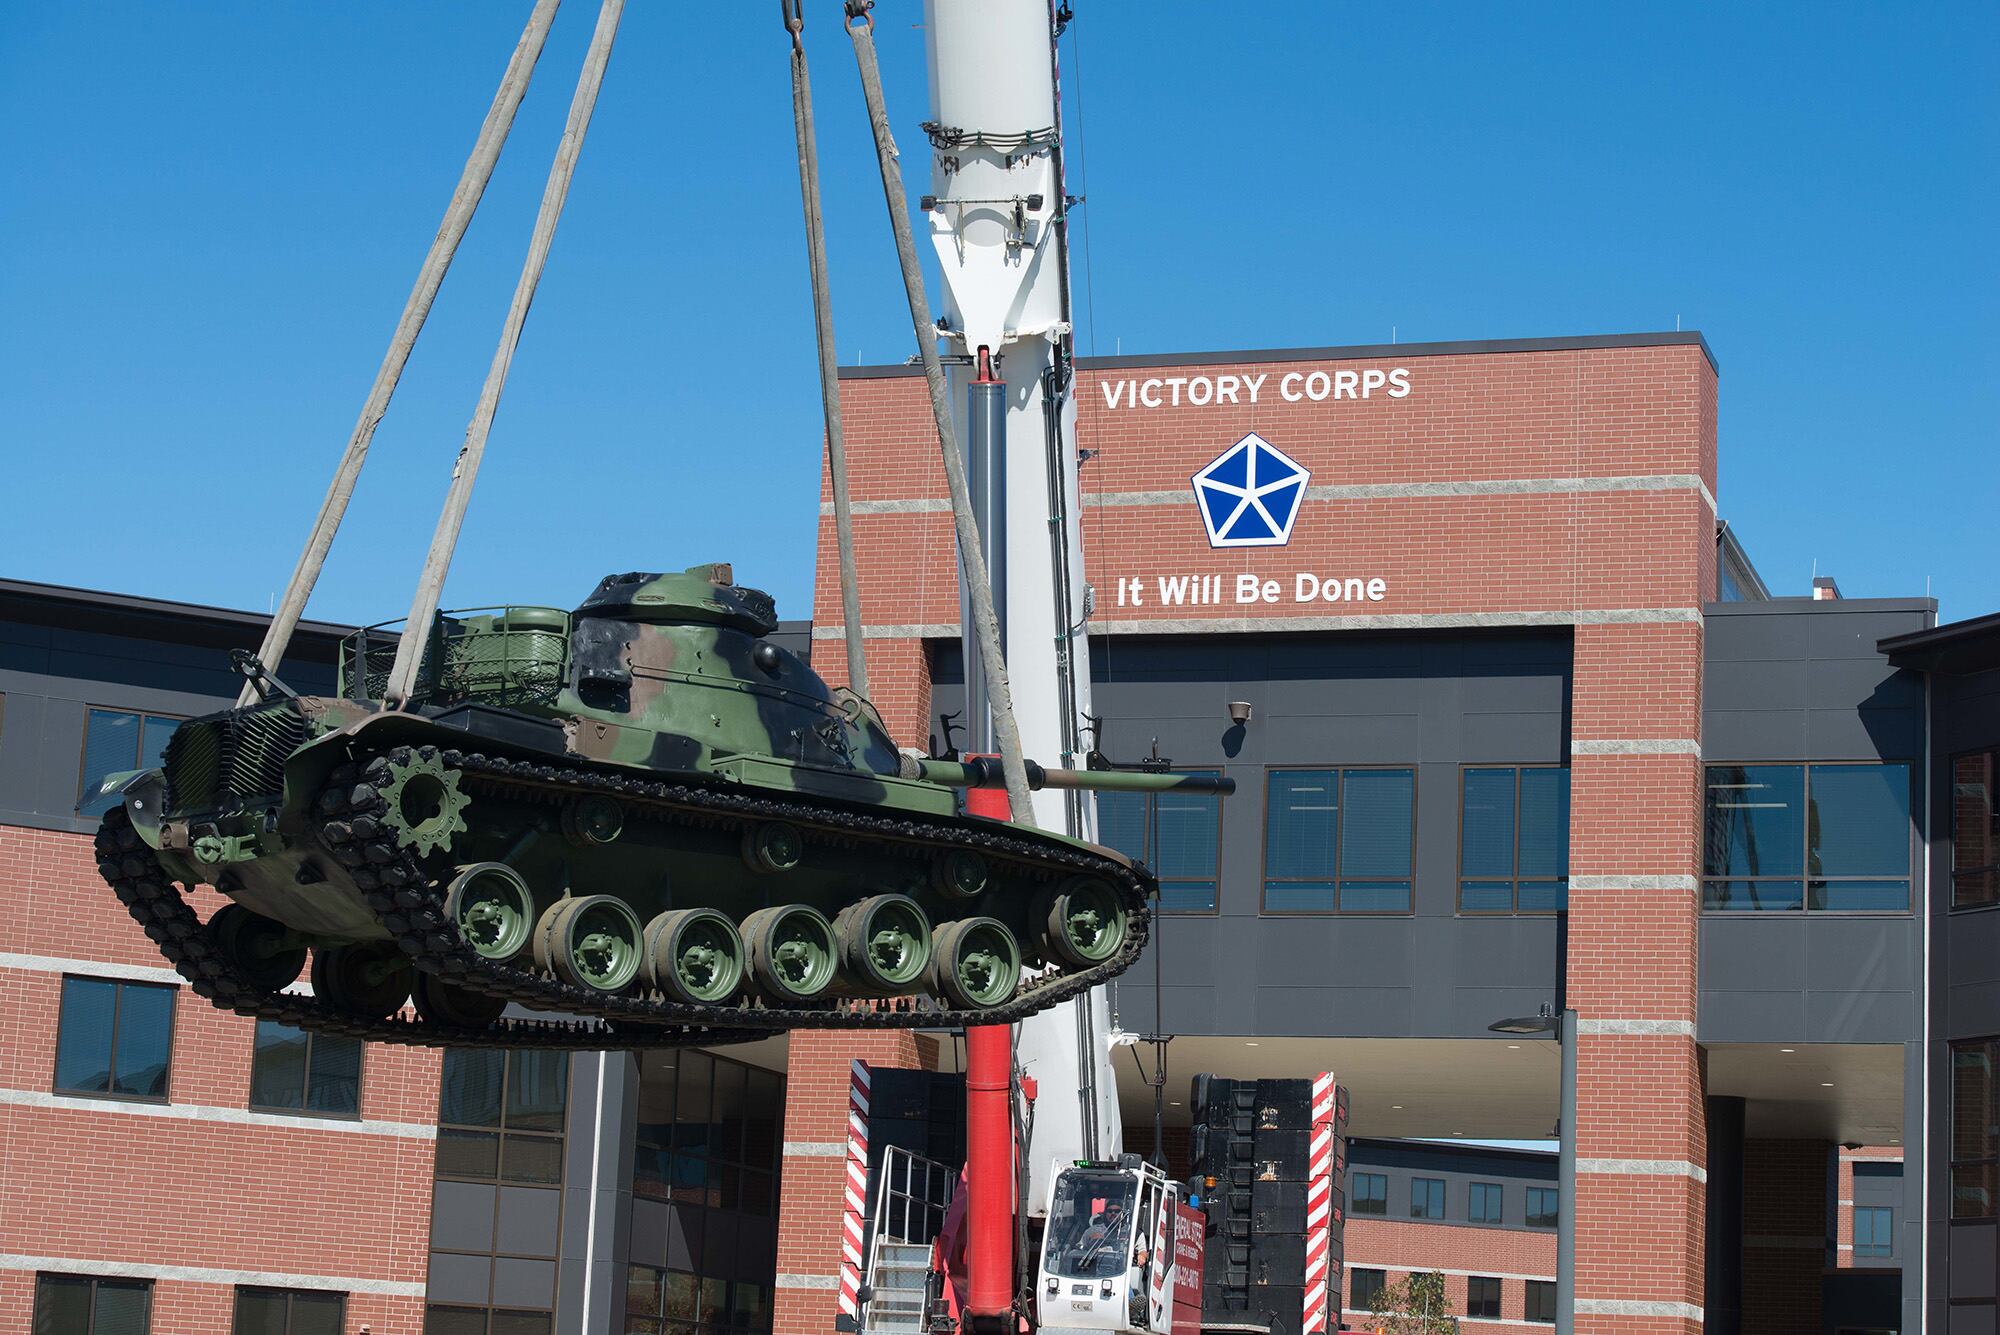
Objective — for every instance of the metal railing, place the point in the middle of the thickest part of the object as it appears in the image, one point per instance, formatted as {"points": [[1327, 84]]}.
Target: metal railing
{"points": [[912, 1197]]}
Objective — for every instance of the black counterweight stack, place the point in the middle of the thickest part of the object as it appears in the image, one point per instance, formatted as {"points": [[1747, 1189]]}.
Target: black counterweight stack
{"points": [[1270, 1158]]}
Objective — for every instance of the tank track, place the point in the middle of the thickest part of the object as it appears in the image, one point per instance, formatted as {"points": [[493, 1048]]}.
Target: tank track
{"points": [[410, 899], [144, 887]]}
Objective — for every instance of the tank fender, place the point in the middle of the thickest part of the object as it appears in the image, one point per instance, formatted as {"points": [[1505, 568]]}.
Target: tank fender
{"points": [[306, 770], [144, 795]]}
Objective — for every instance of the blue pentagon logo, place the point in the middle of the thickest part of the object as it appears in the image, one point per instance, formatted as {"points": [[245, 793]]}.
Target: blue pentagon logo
{"points": [[1250, 495]]}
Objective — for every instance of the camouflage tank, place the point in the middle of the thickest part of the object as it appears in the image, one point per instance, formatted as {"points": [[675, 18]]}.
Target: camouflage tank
{"points": [[644, 817]]}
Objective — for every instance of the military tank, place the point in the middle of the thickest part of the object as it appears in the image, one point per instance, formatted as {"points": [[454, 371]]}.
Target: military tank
{"points": [[643, 817]]}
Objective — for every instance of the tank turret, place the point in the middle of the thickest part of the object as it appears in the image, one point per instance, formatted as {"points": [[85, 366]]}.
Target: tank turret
{"points": [[645, 815]]}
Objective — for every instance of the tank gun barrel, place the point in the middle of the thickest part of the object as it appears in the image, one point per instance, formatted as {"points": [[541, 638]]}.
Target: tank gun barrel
{"points": [[984, 772]]}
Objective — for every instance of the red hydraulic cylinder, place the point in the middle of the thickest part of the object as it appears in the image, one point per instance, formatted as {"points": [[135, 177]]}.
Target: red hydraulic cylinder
{"points": [[989, 1178], [989, 1152]]}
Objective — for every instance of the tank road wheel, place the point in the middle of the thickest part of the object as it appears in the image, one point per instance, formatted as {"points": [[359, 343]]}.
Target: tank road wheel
{"points": [[263, 951], [493, 907], [959, 873], [1083, 923], [975, 963], [792, 953], [589, 821], [885, 944], [425, 808], [371, 979], [453, 1006], [773, 846], [694, 955], [591, 941]]}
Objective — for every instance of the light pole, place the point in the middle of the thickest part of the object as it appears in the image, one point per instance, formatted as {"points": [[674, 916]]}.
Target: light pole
{"points": [[1563, 1026]]}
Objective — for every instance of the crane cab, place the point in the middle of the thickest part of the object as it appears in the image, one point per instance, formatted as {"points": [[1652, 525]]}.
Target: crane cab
{"points": [[1109, 1249]]}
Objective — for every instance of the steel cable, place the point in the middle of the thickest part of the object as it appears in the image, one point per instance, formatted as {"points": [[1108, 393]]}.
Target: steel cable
{"points": [[457, 217]]}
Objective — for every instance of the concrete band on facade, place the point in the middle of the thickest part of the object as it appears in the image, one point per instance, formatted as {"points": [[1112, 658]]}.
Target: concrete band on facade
{"points": [[1357, 492], [1264, 625], [205, 1275]]}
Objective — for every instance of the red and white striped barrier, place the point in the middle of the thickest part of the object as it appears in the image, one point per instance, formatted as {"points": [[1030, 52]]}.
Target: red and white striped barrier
{"points": [[1320, 1161], [854, 1212]]}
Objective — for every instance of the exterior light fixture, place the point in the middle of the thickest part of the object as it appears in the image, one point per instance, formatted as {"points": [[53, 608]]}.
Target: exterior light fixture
{"points": [[1239, 712], [1527, 1024]]}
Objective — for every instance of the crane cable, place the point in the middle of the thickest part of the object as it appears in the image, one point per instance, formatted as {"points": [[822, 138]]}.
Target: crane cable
{"points": [[979, 589], [430, 585], [457, 217], [829, 375]]}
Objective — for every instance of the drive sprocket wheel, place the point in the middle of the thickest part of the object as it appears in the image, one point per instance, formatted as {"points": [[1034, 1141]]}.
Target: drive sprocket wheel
{"points": [[424, 805]]}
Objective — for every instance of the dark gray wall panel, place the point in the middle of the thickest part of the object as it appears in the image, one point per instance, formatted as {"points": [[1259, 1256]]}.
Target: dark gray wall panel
{"points": [[1972, 1260], [462, 1216], [459, 1279], [1796, 681], [1430, 701], [530, 1221], [1972, 962]]}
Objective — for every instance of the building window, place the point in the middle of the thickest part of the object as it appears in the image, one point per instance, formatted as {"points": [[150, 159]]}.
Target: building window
{"points": [[1426, 1198], [1544, 1209], [493, 1253], [500, 1116], [1830, 838], [1485, 1207], [710, 1143], [115, 740], [296, 1070], [1975, 1128], [1513, 851], [1371, 1194], [667, 1302], [288, 1312], [1339, 841], [115, 1039], [1365, 1289], [1872, 1230], [1482, 1296], [1975, 834], [710, 1134], [80, 1305], [1178, 835], [1541, 1301]]}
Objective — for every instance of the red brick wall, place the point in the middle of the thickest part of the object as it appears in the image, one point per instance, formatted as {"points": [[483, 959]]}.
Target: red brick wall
{"points": [[809, 1214], [1627, 565], [1844, 1185], [98, 1181], [1399, 1247]]}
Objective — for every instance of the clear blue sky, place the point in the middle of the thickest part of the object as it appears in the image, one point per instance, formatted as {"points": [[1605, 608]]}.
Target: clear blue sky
{"points": [[210, 215]]}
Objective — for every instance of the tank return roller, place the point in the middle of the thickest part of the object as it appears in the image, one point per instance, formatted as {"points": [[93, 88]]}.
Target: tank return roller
{"points": [[984, 772]]}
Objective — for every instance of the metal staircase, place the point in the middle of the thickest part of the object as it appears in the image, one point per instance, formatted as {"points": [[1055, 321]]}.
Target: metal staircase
{"points": [[896, 1277], [911, 1197]]}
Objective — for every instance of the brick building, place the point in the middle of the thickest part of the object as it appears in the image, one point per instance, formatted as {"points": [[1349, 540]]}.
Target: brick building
{"points": [[1524, 729]]}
